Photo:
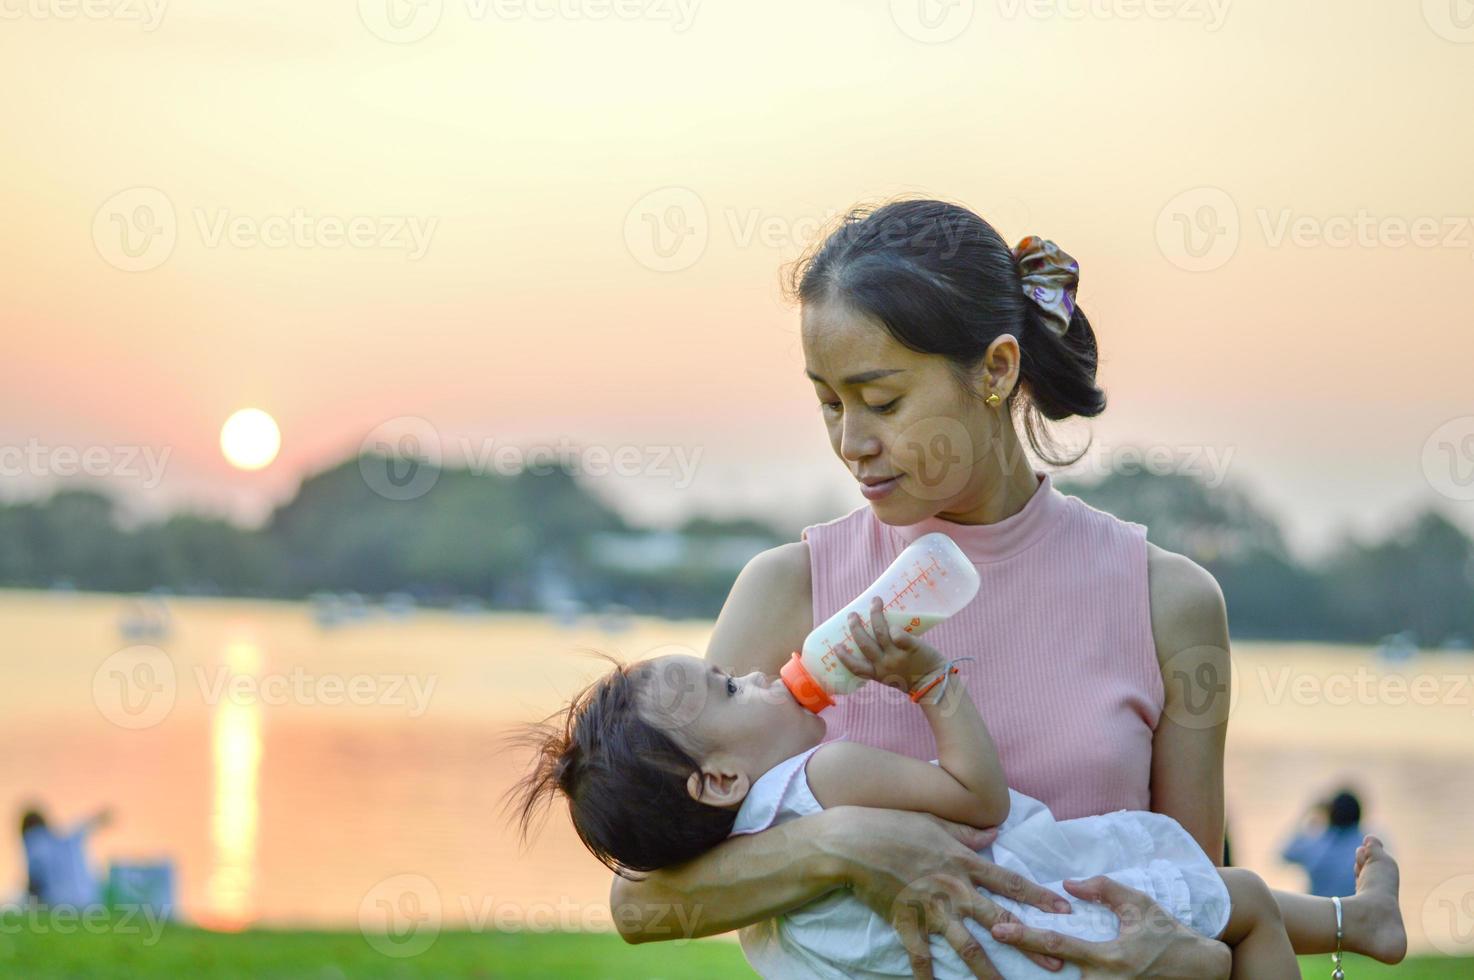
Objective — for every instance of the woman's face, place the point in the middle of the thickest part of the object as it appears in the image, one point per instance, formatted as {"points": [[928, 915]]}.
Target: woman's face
{"points": [[899, 420]]}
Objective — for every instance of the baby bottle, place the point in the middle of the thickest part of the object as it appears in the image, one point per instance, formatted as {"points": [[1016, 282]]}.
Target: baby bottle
{"points": [[927, 582]]}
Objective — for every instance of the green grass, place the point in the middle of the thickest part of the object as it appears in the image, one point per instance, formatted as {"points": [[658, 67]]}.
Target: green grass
{"points": [[183, 953]]}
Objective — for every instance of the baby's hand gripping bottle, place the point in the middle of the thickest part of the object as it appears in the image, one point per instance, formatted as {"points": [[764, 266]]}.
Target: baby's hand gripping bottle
{"points": [[927, 582]]}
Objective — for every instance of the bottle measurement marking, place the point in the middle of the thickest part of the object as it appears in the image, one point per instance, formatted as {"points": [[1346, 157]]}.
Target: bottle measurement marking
{"points": [[897, 601]]}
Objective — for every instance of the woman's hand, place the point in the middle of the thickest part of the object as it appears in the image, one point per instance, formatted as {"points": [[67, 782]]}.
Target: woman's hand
{"points": [[920, 874], [897, 661], [1152, 943]]}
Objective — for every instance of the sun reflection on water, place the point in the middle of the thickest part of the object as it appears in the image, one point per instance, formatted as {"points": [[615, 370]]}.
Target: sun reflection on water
{"points": [[236, 751]]}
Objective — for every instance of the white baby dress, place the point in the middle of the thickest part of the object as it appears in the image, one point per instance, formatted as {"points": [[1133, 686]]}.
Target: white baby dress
{"points": [[837, 937]]}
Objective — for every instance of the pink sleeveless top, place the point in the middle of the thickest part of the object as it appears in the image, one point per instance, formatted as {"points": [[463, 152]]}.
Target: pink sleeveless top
{"points": [[1065, 672]]}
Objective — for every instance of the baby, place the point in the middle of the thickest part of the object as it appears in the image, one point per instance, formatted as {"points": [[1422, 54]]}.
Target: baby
{"points": [[662, 760]]}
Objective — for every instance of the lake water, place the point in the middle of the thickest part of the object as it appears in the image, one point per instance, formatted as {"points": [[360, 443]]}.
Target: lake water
{"points": [[298, 775]]}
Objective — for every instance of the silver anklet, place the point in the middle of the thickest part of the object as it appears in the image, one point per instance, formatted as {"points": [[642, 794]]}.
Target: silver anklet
{"points": [[1336, 973]]}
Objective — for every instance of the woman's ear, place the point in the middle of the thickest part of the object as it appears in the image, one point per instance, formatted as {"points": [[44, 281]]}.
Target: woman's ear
{"points": [[718, 785], [1001, 365]]}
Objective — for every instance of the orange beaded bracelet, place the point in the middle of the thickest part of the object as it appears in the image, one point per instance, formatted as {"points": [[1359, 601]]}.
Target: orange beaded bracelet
{"points": [[918, 695]]}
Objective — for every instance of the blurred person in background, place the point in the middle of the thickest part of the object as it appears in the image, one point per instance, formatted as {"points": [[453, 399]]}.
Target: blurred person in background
{"points": [[1326, 842], [56, 861]]}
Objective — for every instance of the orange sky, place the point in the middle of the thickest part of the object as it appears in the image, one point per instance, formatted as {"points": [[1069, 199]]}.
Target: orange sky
{"points": [[533, 153]]}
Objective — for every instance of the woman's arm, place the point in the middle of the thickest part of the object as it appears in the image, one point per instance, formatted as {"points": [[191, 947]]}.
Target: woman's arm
{"points": [[767, 615], [741, 881], [1190, 628], [915, 870]]}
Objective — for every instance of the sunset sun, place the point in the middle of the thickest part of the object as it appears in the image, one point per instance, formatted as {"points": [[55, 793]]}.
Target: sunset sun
{"points": [[249, 439]]}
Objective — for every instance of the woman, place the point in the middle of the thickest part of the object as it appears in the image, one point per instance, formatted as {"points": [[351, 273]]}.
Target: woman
{"points": [[1102, 660]]}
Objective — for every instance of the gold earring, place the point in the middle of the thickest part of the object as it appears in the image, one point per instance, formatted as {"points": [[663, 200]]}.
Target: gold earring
{"points": [[992, 399]]}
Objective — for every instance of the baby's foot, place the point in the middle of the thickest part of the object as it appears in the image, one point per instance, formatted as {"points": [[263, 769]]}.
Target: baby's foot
{"points": [[1373, 924]]}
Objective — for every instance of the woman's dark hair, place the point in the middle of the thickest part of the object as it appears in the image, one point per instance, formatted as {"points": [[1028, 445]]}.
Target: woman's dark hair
{"points": [[1344, 810], [942, 281], [31, 818], [624, 778]]}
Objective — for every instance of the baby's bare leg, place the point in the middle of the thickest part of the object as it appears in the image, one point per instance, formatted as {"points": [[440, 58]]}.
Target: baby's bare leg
{"points": [[1255, 930], [1371, 921]]}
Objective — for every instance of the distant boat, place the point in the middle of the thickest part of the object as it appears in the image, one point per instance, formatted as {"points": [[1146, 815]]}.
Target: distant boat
{"points": [[615, 618], [468, 605], [354, 605], [327, 611], [398, 605], [1398, 646], [565, 610], [145, 621]]}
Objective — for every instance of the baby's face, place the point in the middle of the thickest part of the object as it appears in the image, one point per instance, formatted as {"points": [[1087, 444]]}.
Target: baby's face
{"points": [[707, 710]]}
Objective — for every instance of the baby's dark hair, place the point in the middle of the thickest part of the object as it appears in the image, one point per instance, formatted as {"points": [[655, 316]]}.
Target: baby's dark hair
{"points": [[625, 779]]}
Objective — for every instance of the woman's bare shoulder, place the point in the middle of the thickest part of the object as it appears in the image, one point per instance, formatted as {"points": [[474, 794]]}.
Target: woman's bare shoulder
{"points": [[1188, 610], [767, 614]]}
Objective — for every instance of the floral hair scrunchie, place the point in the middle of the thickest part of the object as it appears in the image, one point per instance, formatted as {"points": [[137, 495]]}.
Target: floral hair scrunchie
{"points": [[1050, 279]]}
